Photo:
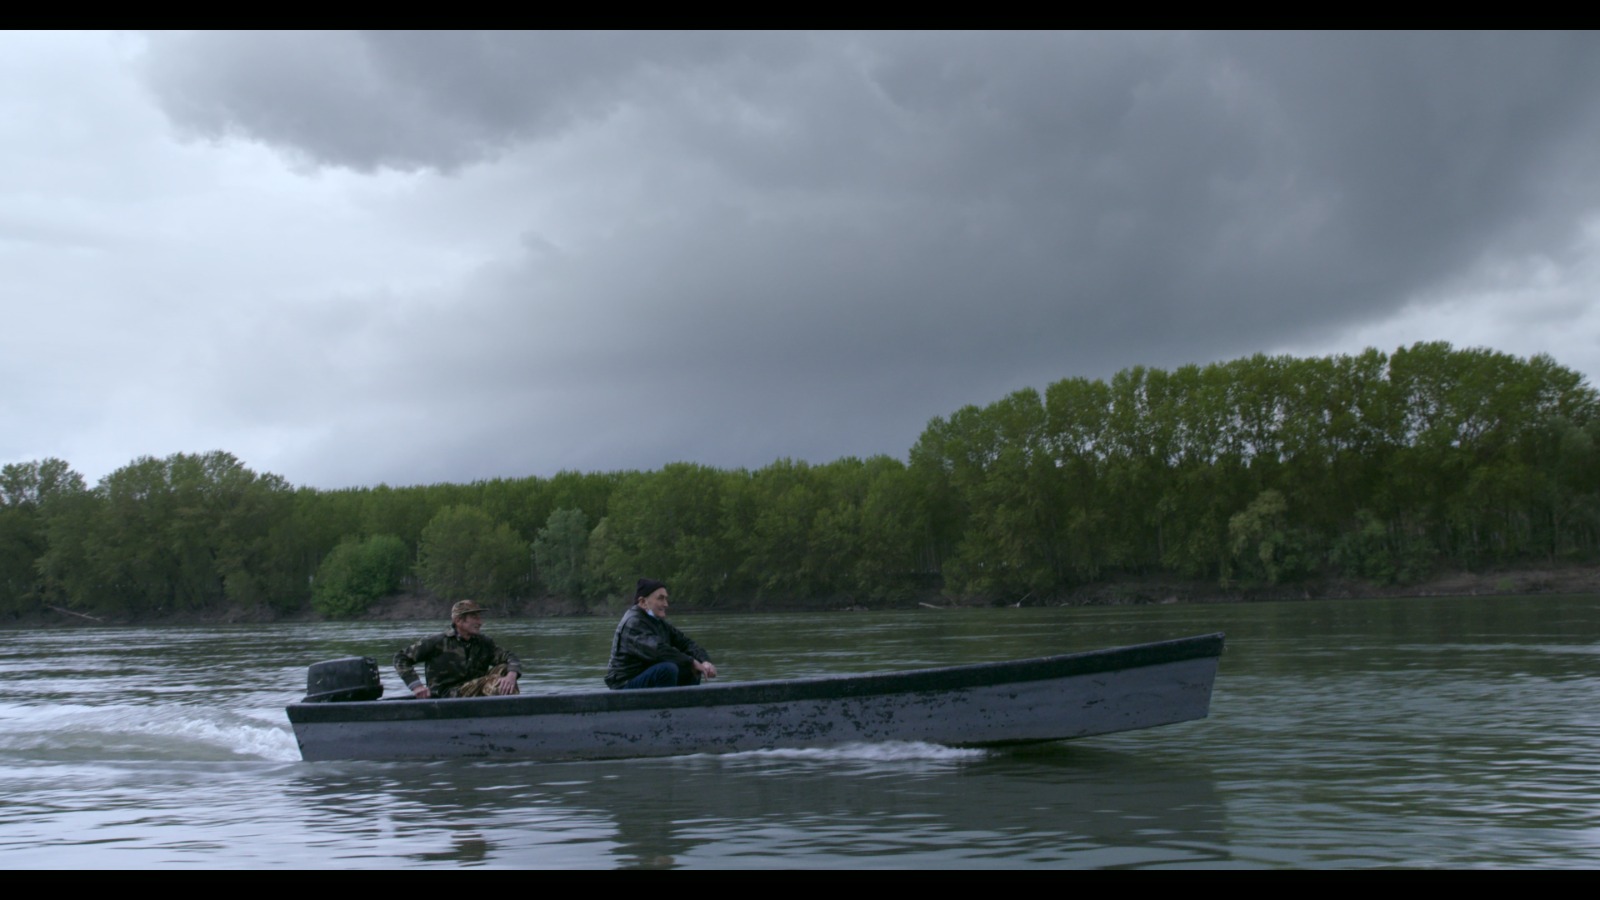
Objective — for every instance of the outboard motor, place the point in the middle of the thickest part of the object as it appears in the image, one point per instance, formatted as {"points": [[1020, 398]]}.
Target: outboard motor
{"points": [[342, 680]]}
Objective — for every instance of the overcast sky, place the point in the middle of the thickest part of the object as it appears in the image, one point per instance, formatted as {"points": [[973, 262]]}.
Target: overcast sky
{"points": [[410, 258]]}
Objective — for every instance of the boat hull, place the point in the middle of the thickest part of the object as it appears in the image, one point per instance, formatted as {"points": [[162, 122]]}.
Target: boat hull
{"points": [[1025, 701]]}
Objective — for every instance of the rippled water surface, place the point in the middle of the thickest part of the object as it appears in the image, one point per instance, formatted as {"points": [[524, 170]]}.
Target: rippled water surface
{"points": [[1458, 732]]}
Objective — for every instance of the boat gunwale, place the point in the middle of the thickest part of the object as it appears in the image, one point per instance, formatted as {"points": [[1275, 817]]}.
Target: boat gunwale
{"points": [[775, 691]]}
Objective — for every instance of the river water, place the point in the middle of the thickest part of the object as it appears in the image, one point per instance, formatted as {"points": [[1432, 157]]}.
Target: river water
{"points": [[1450, 732]]}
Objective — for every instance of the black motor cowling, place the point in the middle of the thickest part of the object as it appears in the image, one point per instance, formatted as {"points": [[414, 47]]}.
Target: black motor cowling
{"points": [[341, 680]]}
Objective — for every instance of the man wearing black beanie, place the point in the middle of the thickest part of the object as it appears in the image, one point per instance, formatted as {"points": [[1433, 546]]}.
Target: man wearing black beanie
{"points": [[647, 652]]}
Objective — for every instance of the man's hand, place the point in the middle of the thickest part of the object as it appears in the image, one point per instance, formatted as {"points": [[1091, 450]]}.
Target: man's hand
{"points": [[508, 683], [706, 669], [421, 691]]}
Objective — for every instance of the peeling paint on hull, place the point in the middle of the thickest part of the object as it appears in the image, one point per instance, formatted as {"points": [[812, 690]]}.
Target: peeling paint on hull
{"points": [[1024, 701]]}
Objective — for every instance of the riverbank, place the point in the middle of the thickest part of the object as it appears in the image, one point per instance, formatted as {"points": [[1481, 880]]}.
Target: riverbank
{"points": [[1509, 582], [1122, 592], [1127, 591]]}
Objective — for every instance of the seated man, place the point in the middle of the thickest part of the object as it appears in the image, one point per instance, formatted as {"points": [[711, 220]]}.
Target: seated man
{"points": [[646, 652], [461, 662]]}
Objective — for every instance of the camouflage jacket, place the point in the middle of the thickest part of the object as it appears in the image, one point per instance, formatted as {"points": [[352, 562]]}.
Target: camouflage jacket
{"points": [[451, 661], [641, 641]]}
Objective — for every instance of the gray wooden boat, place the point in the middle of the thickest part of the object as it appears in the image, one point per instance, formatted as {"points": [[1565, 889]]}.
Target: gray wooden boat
{"points": [[984, 705]]}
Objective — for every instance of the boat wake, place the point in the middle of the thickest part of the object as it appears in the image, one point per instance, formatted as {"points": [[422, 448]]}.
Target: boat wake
{"points": [[886, 751], [77, 733]]}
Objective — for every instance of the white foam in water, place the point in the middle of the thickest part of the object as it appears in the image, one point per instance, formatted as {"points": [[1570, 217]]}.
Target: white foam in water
{"points": [[887, 751], [271, 742], [191, 733], [225, 731], [32, 713]]}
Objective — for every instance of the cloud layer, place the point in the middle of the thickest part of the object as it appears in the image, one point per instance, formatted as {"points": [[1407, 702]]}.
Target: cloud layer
{"points": [[351, 258]]}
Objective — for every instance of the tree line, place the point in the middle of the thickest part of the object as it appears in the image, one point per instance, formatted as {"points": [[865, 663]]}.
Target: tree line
{"points": [[1258, 471]]}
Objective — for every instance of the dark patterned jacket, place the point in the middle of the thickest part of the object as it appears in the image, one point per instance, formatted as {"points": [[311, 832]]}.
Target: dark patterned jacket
{"points": [[452, 661], [641, 641]]}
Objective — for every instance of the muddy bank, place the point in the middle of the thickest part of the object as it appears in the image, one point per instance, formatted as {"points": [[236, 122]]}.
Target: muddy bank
{"points": [[1127, 591], [1517, 582], [1122, 592]]}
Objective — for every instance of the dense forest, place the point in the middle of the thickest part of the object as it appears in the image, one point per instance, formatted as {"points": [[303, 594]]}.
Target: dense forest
{"points": [[1258, 471]]}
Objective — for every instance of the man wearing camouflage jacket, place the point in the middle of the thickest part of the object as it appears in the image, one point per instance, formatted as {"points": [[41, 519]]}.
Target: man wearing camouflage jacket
{"points": [[461, 662]]}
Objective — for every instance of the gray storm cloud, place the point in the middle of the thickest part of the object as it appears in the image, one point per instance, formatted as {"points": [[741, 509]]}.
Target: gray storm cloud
{"points": [[752, 246], [411, 100]]}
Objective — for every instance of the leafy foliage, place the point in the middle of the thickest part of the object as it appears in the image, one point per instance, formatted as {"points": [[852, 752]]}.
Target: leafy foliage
{"points": [[1262, 470], [28, 492], [464, 553], [357, 572], [560, 552]]}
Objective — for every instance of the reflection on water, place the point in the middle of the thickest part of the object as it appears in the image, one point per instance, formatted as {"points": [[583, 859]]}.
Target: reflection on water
{"points": [[1453, 733], [887, 805]]}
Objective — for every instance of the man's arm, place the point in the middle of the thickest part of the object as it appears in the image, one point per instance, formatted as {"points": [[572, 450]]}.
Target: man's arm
{"points": [[405, 664], [504, 657], [699, 658], [686, 645]]}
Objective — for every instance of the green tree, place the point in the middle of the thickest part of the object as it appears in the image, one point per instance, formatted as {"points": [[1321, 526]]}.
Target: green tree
{"points": [[896, 551], [28, 491], [464, 553], [184, 532], [1265, 547], [358, 572], [560, 552], [768, 519], [670, 525]]}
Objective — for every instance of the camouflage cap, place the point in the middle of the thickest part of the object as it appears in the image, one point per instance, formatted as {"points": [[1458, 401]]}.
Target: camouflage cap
{"points": [[465, 607]]}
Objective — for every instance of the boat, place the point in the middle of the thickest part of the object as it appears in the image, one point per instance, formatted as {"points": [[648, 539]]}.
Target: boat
{"points": [[992, 704]]}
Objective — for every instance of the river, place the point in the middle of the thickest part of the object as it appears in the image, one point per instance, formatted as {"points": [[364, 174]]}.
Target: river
{"points": [[1427, 733]]}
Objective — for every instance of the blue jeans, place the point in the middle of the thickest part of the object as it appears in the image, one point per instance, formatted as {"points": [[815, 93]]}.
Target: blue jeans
{"points": [[663, 674]]}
